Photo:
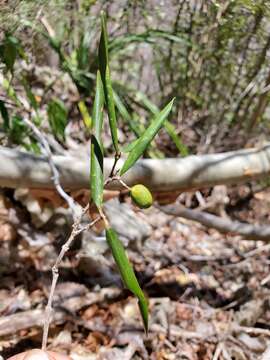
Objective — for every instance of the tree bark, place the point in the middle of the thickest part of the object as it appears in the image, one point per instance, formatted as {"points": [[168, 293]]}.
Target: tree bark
{"points": [[21, 169]]}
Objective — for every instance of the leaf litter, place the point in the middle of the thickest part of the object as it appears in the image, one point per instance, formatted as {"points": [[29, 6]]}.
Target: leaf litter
{"points": [[208, 292]]}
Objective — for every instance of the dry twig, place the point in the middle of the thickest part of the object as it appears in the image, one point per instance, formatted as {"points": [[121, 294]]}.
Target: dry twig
{"points": [[78, 214], [56, 178], [76, 230], [247, 231]]}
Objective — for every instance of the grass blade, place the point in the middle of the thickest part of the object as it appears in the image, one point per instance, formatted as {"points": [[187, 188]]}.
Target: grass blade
{"points": [[146, 138], [127, 273], [96, 174]]}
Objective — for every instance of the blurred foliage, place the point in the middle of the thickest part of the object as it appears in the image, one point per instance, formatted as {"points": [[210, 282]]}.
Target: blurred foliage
{"points": [[57, 115], [212, 56]]}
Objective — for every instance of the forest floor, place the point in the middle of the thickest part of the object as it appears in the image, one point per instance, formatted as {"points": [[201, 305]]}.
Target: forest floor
{"points": [[208, 292]]}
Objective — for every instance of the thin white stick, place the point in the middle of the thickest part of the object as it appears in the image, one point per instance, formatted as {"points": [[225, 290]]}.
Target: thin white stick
{"points": [[76, 230], [77, 212], [55, 174]]}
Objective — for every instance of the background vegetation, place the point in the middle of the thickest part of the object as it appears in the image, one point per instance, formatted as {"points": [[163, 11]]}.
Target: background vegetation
{"points": [[213, 56]]}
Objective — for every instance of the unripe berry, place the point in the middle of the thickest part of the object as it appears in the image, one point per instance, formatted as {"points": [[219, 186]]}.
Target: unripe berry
{"points": [[141, 196]]}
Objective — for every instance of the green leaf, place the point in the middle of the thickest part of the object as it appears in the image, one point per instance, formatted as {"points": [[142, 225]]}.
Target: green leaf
{"points": [[146, 138], [103, 57], [96, 175], [103, 52], [11, 93], [82, 53], [32, 146], [149, 105], [9, 51], [18, 130], [4, 114], [85, 114], [170, 128], [57, 115], [30, 95], [127, 273], [125, 115], [129, 147], [151, 36], [32, 100], [111, 109]]}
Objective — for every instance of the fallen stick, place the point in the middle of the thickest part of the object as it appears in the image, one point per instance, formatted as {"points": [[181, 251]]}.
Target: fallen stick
{"points": [[21, 169], [11, 324], [247, 231]]}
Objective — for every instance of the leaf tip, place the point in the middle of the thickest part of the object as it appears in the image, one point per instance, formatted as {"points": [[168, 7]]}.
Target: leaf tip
{"points": [[143, 305]]}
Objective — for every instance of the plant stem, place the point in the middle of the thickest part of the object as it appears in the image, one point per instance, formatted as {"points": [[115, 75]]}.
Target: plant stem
{"points": [[76, 230]]}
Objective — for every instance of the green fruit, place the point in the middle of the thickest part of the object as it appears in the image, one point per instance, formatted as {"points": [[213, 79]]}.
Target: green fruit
{"points": [[141, 196]]}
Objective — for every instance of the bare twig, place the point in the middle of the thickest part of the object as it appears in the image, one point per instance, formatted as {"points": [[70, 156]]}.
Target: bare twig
{"points": [[56, 178], [250, 330], [116, 178], [76, 230], [117, 157], [218, 351], [77, 213], [47, 26]]}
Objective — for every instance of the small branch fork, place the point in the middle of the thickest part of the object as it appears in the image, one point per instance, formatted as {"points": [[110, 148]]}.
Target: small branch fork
{"points": [[76, 230], [77, 211], [117, 157]]}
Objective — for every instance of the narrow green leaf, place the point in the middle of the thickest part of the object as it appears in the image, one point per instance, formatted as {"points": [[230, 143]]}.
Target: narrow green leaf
{"points": [[125, 115], [103, 57], [103, 53], [149, 105], [96, 175], [127, 273], [4, 114], [57, 115], [85, 114], [129, 147], [18, 130], [146, 138], [30, 95], [111, 109], [10, 51], [82, 53], [11, 93], [150, 36], [170, 128]]}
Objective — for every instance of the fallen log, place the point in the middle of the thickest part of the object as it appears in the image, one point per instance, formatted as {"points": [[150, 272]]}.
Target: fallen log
{"points": [[21, 169]]}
